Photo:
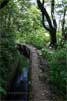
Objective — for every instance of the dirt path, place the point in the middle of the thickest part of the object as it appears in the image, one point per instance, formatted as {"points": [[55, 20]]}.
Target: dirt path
{"points": [[40, 90]]}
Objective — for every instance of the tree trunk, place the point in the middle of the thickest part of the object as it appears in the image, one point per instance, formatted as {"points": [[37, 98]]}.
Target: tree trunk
{"points": [[53, 39], [52, 24], [63, 23]]}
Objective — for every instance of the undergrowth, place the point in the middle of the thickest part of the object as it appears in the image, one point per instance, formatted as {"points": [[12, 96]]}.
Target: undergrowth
{"points": [[58, 71]]}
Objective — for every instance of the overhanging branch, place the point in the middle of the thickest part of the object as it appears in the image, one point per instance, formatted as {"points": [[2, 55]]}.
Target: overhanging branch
{"points": [[45, 13]]}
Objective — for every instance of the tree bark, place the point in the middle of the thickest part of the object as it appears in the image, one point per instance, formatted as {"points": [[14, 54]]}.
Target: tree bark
{"points": [[63, 24], [53, 38], [52, 25]]}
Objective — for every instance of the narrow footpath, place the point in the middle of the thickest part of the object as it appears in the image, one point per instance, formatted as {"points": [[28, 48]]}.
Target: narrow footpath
{"points": [[40, 90]]}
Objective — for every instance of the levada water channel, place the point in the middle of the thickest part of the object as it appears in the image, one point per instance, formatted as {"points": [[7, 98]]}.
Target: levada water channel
{"points": [[19, 89]]}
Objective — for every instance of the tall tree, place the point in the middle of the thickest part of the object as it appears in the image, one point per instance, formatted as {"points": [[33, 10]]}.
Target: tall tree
{"points": [[52, 25], [63, 23], [61, 9]]}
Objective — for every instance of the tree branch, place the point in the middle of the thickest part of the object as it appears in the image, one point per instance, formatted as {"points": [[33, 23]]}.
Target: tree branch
{"points": [[47, 28], [45, 13], [43, 2], [52, 14], [63, 22], [52, 8]]}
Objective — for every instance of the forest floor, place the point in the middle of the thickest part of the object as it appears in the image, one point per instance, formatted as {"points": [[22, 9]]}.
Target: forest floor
{"points": [[41, 90]]}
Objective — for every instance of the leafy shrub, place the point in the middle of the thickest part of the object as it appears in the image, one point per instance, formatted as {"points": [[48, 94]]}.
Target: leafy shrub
{"points": [[8, 56], [38, 39], [57, 62]]}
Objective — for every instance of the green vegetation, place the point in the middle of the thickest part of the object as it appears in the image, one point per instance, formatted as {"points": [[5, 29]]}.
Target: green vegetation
{"points": [[9, 56], [58, 70], [24, 63], [21, 22]]}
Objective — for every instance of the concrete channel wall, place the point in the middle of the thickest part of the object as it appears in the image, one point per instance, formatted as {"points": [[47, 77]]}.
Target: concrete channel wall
{"points": [[14, 69], [29, 52]]}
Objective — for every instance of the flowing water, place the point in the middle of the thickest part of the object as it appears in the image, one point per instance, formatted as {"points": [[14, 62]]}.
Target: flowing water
{"points": [[19, 88]]}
